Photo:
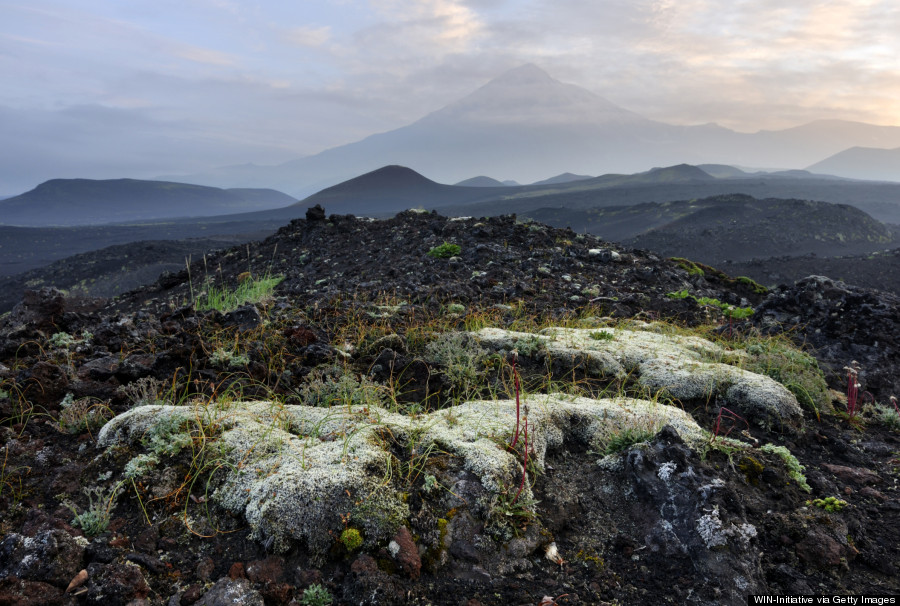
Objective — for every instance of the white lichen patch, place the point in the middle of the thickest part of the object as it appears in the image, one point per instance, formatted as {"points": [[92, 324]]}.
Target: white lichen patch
{"points": [[682, 367], [716, 534], [292, 471]]}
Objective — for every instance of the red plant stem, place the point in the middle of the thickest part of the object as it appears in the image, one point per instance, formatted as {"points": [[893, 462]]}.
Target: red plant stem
{"points": [[524, 464], [852, 393], [515, 439], [732, 416]]}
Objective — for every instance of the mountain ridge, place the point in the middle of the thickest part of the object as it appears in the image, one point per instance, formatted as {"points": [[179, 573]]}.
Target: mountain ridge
{"points": [[870, 163], [524, 123], [103, 201]]}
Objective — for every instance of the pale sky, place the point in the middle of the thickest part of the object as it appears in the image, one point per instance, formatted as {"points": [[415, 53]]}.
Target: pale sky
{"points": [[138, 88]]}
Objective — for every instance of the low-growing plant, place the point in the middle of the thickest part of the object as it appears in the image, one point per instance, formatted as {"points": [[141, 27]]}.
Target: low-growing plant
{"points": [[729, 311], [143, 392], [854, 398], [351, 539], [726, 421], [602, 335], [231, 359], [529, 346], [11, 478], [335, 387], [430, 483], [626, 438], [890, 420], [753, 284], [829, 504], [62, 340], [95, 520], [798, 371], [460, 356], [444, 251], [689, 266], [889, 416], [316, 595], [511, 514], [455, 308], [251, 290], [795, 469], [83, 414]]}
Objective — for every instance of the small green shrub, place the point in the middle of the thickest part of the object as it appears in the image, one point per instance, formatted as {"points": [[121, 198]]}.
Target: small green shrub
{"points": [[140, 465], [316, 595], [62, 340], [444, 251], [230, 359], [679, 294], [334, 387], [167, 437], [455, 308], [461, 358], [887, 416], [529, 346], [829, 504], [95, 520], [82, 414], [143, 392], [351, 539]]}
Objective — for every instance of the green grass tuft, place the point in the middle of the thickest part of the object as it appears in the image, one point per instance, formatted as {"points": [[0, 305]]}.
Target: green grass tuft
{"points": [[251, 290]]}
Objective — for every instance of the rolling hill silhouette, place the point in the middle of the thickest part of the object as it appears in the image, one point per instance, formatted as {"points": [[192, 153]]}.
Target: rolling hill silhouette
{"points": [[94, 202]]}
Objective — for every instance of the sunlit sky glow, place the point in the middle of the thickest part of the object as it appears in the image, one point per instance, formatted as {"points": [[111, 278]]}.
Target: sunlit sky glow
{"points": [[107, 88]]}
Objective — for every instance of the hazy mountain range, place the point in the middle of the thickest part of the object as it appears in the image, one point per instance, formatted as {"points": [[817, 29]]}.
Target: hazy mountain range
{"points": [[862, 163], [525, 125], [96, 202]]}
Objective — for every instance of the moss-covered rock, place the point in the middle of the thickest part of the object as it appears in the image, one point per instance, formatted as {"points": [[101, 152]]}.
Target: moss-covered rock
{"points": [[293, 471], [682, 367]]}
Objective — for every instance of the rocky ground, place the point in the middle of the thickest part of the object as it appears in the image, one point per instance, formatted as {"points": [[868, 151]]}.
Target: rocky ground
{"points": [[135, 469], [879, 270]]}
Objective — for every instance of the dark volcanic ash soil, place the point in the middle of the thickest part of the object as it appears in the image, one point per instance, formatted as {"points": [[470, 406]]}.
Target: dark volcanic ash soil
{"points": [[659, 523]]}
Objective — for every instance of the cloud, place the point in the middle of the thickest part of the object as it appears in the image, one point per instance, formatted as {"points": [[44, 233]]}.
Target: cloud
{"points": [[198, 80], [205, 55], [426, 30], [308, 36]]}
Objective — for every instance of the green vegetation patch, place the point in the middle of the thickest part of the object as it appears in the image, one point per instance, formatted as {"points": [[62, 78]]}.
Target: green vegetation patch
{"points": [[693, 269], [316, 595], [798, 371], [250, 291], [729, 311], [829, 504], [444, 251], [795, 469], [699, 269]]}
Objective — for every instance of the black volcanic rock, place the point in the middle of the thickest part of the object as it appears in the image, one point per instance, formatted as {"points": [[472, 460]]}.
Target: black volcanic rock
{"points": [[842, 324], [351, 327]]}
